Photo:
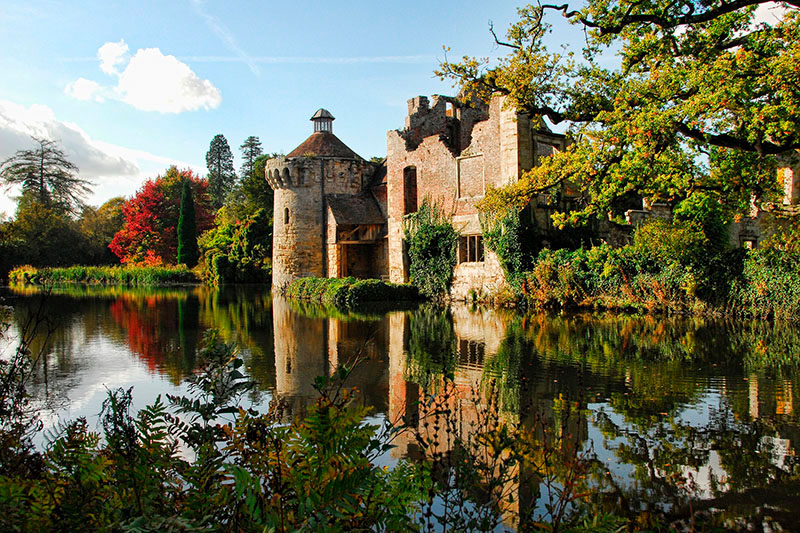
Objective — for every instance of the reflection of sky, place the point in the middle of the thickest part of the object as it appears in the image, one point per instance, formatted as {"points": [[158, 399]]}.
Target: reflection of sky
{"points": [[101, 359]]}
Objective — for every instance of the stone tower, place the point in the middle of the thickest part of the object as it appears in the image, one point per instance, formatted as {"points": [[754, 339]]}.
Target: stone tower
{"points": [[320, 168]]}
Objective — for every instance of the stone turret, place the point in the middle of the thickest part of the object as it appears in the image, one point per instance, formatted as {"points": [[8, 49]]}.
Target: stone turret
{"points": [[321, 165]]}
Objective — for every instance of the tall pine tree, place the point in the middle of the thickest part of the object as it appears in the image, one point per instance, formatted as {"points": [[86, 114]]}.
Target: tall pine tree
{"points": [[187, 228], [221, 174], [251, 149]]}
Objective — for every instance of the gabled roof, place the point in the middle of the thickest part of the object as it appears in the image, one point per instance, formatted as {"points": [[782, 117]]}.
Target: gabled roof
{"points": [[323, 144], [355, 210]]}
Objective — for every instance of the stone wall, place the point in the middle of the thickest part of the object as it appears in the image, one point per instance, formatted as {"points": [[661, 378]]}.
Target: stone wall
{"points": [[457, 152], [302, 245]]}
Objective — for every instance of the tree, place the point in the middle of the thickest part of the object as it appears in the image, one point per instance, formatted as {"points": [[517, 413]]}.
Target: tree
{"points": [[221, 175], [98, 226], [46, 172], [149, 235], [705, 100], [251, 149], [47, 234], [187, 228]]}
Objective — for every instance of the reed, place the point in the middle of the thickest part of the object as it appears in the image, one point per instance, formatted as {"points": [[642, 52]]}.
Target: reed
{"points": [[102, 275]]}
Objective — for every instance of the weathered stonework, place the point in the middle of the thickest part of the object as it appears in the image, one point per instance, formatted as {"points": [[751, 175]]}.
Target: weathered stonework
{"points": [[304, 232], [456, 153]]}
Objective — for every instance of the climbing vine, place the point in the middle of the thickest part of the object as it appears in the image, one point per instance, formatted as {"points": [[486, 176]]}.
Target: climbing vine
{"points": [[512, 236], [432, 242]]}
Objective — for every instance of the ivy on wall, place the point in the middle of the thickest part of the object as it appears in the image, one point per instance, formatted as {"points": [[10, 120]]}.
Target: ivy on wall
{"points": [[432, 241]]}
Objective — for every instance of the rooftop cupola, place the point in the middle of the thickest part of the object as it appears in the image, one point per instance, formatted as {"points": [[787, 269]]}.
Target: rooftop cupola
{"points": [[323, 120]]}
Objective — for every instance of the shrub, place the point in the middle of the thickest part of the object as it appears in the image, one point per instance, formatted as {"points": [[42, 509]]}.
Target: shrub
{"points": [[432, 241], [239, 252], [769, 286], [350, 292]]}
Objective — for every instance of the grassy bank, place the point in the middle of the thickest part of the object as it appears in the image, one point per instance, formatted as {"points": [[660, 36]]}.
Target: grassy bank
{"points": [[350, 292], [104, 275]]}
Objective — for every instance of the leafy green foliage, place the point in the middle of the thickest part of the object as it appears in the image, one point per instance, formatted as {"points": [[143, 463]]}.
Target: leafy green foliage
{"points": [[514, 239], [238, 252], [187, 229], [346, 293], [432, 241], [770, 285]]}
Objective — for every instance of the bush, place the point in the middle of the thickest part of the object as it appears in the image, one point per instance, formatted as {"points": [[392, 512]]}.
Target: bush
{"points": [[239, 252], [769, 286], [350, 292], [432, 241]]}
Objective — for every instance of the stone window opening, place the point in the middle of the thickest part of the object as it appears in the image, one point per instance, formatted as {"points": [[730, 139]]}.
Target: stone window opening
{"points": [[285, 215], [410, 190], [470, 249], [449, 110]]}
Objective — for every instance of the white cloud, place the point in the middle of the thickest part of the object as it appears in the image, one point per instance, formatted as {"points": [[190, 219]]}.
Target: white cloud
{"points": [[114, 170], [149, 81], [83, 89], [112, 54], [155, 82]]}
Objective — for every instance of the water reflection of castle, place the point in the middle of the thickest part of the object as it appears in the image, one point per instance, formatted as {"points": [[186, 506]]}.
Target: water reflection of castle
{"points": [[550, 372]]}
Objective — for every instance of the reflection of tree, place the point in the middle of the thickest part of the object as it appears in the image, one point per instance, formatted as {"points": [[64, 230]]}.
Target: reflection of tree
{"points": [[680, 465], [151, 324], [243, 315], [432, 346]]}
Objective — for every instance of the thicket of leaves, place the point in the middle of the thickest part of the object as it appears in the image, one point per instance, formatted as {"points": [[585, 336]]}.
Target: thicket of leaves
{"points": [[432, 242], [38, 233], [704, 100], [239, 251], [149, 235]]}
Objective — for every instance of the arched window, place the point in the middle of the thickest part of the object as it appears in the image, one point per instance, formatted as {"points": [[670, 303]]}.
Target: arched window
{"points": [[285, 215]]}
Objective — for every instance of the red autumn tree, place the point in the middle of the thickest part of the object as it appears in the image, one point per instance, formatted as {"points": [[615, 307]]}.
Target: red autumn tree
{"points": [[149, 235]]}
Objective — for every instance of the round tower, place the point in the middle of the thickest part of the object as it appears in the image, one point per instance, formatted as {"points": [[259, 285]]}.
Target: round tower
{"points": [[297, 240], [322, 166]]}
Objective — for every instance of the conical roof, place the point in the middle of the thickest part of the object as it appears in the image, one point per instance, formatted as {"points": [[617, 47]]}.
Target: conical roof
{"points": [[323, 144]]}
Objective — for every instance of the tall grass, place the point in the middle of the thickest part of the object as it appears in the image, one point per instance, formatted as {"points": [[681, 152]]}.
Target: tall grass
{"points": [[102, 275]]}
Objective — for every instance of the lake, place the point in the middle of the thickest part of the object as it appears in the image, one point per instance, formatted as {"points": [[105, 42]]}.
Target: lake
{"points": [[666, 409]]}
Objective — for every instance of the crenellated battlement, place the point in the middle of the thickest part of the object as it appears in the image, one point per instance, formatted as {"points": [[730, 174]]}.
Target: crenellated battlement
{"points": [[283, 173]]}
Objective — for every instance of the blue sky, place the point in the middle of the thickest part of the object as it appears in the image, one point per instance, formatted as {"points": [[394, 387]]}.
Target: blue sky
{"points": [[131, 87]]}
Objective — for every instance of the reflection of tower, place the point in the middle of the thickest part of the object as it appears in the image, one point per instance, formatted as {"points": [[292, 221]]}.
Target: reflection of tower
{"points": [[403, 395], [300, 355]]}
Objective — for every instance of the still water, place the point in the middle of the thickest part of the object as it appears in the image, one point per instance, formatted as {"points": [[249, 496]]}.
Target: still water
{"points": [[667, 406]]}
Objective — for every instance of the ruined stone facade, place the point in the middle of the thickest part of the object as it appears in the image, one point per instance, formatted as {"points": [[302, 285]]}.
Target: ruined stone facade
{"points": [[337, 215]]}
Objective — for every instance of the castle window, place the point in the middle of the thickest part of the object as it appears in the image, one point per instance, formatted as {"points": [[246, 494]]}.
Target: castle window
{"points": [[410, 190], [470, 249], [285, 215]]}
